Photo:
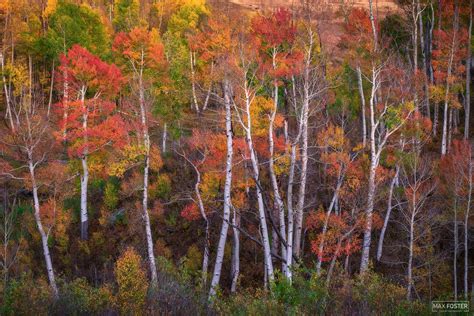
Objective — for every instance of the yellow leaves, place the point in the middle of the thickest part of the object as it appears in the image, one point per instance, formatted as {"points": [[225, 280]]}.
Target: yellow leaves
{"points": [[260, 111], [281, 164], [132, 283], [131, 154], [210, 186], [332, 137], [50, 8], [19, 77], [155, 159]]}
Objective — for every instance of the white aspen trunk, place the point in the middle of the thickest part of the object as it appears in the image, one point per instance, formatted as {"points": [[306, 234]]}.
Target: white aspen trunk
{"points": [[227, 194], [85, 171], [455, 254], [206, 101], [235, 252], [276, 191], [362, 100], [466, 231], [193, 83], [446, 96], [205, 256], [467, 103], [51, 88], [304, 172], [424, 61], [44, 236], [436, 109], [65, 104], [364, 263], [325, 228], [289, 239], [165, 136], [410, 254], [261, 207], [450, 128], [415, 47], [387, 215], [333, 262], [8, 111], [146, 171]]}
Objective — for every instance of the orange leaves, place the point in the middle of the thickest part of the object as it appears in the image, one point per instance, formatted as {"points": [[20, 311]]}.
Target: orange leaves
{"points": [[156, 162], [141, 47], [214, 42], [341, 236]]}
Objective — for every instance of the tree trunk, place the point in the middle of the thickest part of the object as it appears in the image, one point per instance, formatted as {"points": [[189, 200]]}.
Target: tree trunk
{"points": [[227, 193], [146, 173], [235, 252], [467, 101], [466, 231], [8, 111], [304, 172], [387, 215], [165, 136], [410, 255], [455, 254], [261, 206], [362, 99], [44, 236], [289, 239], [444, 144], [276, 191], [85, 171], [364, 263], [325, 227], [205, 256]]}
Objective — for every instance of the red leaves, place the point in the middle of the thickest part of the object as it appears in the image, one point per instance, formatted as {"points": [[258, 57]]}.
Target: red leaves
{"points": [[90, 117], [86, 69], [274, 30], [190, 212], [275, 36]]}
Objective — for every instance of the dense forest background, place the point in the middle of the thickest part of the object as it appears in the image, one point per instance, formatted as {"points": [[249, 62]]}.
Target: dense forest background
{"points": [[190, 157]]}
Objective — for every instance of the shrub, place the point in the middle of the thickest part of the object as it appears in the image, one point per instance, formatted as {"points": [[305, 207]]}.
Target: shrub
{"points": [[80, 298], [132, 283]]}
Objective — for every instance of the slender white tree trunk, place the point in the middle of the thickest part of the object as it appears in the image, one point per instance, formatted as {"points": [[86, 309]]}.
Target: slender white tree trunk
{"points": [[289, 239], [44, 236], [410, 255], [146, 173], [455, 254], [444, 139], [364, 263], [165, 137], [304, 172], [261, 206], [235, 251], [227, 193], [276, 191], [387, 215], [362, 100], [467, 103], [8, 111], [205, 257], [466, 230], [325, 227], [85, 171], [193, 80]]}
